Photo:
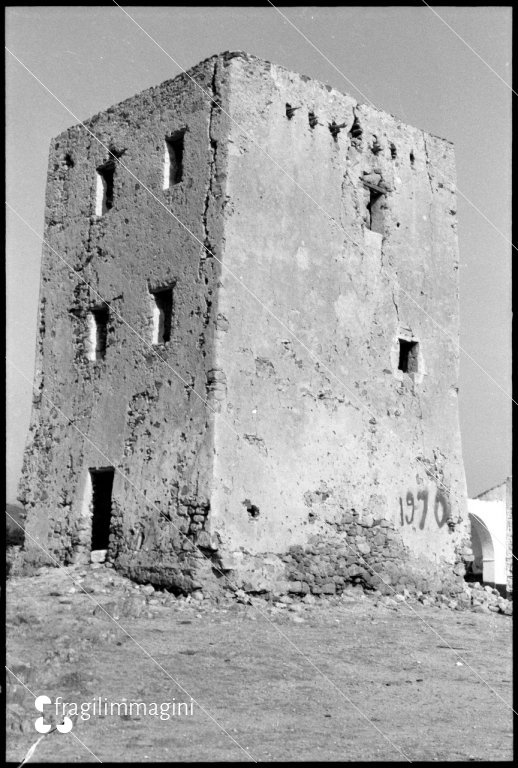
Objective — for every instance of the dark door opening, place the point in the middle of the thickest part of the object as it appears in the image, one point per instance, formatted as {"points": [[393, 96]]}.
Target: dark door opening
{"points": [[102, 484]]}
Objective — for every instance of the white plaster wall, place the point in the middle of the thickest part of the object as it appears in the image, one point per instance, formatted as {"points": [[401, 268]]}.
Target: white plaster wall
{"points": [[351, 431], [490, 515]]}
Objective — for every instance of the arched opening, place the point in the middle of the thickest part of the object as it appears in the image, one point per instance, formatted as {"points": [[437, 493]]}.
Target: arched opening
{"points": [[483, 566]]}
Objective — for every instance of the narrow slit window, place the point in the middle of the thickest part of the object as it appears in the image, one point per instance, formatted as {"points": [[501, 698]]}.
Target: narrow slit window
{"points": [[105, 179], [173, 159], [101, 506], [375, 208], [97, 333], [162, 315], [408, 356]]}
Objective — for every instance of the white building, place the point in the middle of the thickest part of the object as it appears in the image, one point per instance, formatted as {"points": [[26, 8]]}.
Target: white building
{"points": [[491, 534]]}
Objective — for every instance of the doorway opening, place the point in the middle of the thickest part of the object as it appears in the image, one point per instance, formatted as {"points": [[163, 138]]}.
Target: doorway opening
{"points": [[102, 485]]}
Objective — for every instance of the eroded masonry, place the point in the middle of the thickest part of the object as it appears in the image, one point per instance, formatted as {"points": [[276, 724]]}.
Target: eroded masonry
{"points": [[247, 361]]}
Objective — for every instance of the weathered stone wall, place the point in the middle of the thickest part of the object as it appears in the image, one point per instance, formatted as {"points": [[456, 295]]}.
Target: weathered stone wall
{"points": [[360, 550], [134, 410], [302, 452], [343, 431]]}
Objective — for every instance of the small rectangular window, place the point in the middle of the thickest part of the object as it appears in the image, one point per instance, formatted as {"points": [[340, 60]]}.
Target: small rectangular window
{"points": [[173, 159], [104, 198], [162, 315], [375, 208], [408, 356], [97, 333]]}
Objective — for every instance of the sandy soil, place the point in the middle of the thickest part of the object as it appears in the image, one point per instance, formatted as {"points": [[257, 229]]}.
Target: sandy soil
{"points": [[342, 679]]}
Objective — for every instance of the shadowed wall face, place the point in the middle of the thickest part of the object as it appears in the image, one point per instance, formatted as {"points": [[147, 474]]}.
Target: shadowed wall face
{"points": [[103, 316]]}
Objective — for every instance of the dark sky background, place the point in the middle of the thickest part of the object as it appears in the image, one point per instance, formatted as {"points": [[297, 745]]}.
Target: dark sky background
{"points": [[404, 60]]}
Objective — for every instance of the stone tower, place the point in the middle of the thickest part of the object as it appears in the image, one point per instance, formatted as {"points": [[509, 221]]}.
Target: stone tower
{"points": [[248, 340]]}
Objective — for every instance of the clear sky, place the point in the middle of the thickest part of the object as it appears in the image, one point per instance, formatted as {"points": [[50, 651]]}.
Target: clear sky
{"points": [[404, 60]]}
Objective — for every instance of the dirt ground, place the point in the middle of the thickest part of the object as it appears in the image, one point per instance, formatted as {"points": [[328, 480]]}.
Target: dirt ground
{"points": [[340, 679]]}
